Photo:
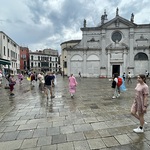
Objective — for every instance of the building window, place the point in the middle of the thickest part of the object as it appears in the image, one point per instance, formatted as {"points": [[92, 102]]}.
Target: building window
{"points": [[24, 64], [141, 56], [31, 57], [39, 58], [32, 64], [4, 51], [56, 59], [38, 64], [44, 64], [116, 36], [8, 52], [65, 64], [13, 54], [50, 59]]}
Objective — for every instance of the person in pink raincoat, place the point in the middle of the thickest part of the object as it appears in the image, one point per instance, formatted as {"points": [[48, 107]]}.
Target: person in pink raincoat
{"points": [[20, 77], [72, 85]]}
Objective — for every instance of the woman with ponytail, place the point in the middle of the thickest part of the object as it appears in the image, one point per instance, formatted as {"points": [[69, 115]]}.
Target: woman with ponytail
{"points": [[140, 104]]}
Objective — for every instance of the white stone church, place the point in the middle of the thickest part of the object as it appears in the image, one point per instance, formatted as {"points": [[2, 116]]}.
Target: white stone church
{"points": [[118, 45]]}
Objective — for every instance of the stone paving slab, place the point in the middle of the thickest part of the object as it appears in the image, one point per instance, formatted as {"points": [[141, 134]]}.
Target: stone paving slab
{"points": [[10, 145], [90, 121]]}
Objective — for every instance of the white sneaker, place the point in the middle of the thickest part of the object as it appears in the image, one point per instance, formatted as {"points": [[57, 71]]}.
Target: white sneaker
{"points": [[138, 130], [114, 97], [145, 123], [118, 95]]}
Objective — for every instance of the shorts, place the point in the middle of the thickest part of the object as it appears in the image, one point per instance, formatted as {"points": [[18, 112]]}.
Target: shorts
{"points": [[48, 87]]}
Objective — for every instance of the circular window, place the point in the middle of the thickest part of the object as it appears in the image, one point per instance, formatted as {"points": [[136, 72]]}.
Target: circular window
{"points": [[116, 36]]}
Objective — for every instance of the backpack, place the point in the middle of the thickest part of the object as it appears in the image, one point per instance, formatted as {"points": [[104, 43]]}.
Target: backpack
{"points": [[119, 82], [113, 84]]}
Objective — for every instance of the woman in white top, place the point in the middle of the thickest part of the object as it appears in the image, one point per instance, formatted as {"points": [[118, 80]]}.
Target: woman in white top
{"points": [[41, 81], [115, 81]]}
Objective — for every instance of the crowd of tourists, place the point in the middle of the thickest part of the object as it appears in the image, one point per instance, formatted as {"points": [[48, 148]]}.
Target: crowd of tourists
{"points": [[48, 81]]}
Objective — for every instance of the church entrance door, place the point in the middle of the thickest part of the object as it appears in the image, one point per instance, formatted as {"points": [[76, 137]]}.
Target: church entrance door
{"points": [[116, 69]]}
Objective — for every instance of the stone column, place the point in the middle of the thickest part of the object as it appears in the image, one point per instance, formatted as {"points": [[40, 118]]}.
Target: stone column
{"points": [[84, 64], [100, 62], [103, 49], [124, 60], [108, 64], [68, 64], [131, 57]]}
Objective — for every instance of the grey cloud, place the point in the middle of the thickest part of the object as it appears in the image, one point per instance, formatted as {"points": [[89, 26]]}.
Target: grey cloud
{"points": [[69, 15], [9, 21], [28, 28], [37, 9]]}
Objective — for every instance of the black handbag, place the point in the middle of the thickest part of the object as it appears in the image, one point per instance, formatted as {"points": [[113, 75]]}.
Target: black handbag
{"points": [[113, 84]]}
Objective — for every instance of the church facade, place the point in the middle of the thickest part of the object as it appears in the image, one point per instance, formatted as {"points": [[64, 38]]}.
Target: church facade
{"points": [[114, 46]]}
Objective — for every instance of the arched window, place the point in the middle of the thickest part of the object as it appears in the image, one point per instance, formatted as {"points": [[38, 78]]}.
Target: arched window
{"points": [[141, 56]]}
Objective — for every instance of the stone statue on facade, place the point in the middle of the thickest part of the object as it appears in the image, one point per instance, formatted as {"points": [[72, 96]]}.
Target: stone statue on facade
{"points": [[117, 10], [84, 23], [102, 19], [132, 17]]}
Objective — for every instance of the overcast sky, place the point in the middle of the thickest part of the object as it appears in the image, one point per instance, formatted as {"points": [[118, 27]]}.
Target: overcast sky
{"points": [[40, 24]]}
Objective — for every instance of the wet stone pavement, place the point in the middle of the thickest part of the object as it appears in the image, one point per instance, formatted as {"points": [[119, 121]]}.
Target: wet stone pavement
{"points": [[90, 121]]}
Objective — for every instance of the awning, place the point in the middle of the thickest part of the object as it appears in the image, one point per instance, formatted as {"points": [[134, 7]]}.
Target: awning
{"points": [[4, 62]]}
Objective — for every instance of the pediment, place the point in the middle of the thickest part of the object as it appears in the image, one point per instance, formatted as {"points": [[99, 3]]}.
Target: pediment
{"points": [[118, 22], [115, 46]]}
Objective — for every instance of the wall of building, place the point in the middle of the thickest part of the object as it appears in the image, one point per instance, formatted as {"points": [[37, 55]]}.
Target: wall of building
{"points": [[97, 55], [43, 62], [10, 50]]}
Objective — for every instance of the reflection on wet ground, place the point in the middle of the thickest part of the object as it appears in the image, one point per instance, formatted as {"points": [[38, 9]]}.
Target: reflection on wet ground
{"points": [[92, 120]]}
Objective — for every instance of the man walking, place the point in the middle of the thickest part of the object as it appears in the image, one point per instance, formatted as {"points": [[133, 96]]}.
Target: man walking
{"points": [[129, 78], [48, 84]]}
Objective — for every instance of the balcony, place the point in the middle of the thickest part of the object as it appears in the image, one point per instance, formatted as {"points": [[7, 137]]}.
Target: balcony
{"points": [[13, 59]]}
